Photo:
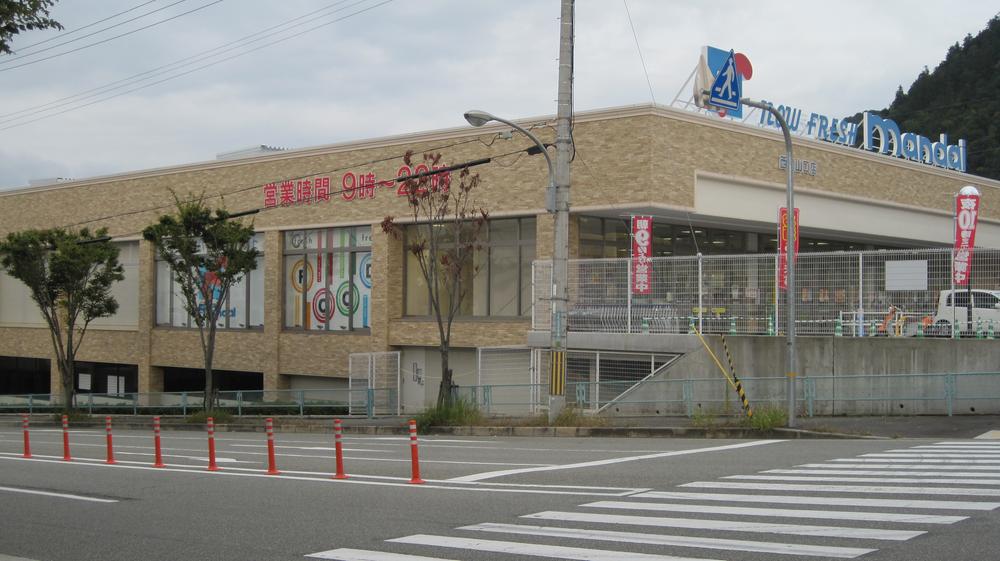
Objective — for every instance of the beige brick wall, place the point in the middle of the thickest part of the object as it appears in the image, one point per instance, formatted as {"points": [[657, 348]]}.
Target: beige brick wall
{"points": [[626, 157]]}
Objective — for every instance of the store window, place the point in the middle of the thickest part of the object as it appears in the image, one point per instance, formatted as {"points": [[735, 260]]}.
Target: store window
{"points": [[499, 281], [328, 279], [244, 308]]}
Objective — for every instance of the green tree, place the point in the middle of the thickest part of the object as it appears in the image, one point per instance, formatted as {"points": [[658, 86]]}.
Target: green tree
{"points": [[448, 233], [23, 15], [208, 253], [69, 275]]}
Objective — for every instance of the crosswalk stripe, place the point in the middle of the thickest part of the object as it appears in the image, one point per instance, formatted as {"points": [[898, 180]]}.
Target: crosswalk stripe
{"points": [[749, 546], [930, 455], [782, 512], [911, 480], [729, 525], [971, 443], [878, 464], [919, 460], [347, 554], [866, 471], [863, 489], [829, 501], [536, 550], [969, 446]]}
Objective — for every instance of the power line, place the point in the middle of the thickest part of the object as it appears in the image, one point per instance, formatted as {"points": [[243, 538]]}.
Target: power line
{"points": [[197, 68], [102, 41], [65, 33], [94, 92], [639, 49], [313, 199], [225, 192]]}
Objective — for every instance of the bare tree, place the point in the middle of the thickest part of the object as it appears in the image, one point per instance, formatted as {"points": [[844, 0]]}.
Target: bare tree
{"points": [[448, 230]]}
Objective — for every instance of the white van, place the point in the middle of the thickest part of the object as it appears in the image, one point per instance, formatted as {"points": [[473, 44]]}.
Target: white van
{"points": [[955, 307]]}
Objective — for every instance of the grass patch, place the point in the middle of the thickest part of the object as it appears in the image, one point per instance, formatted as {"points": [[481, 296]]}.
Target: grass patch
{"points": [[220, 416], [767, 417], [73, 416], [574, 417], [457, 413]]}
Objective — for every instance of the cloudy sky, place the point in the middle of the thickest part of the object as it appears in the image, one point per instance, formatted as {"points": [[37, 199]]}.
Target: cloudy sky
{"points": [[329, 71]]}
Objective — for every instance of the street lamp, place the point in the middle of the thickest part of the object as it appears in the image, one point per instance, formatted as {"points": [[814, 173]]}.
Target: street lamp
{"points": [[478, 118]]}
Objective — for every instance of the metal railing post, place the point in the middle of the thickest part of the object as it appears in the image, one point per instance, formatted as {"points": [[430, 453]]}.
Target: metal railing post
{"points": [[135, 403], [701, 293], [90, 403], [30, 404], [370, 403], [487, 398], [239, 404], [302, 403], [687, 390], [810, 391], [184, 403], [949, 392]]}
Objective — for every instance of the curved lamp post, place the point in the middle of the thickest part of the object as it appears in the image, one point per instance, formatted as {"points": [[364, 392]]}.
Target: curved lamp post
{"points": [[478, 118]]}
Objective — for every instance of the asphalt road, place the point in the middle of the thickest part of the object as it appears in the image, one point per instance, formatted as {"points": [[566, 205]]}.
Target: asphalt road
{"points": [[498, 498]]}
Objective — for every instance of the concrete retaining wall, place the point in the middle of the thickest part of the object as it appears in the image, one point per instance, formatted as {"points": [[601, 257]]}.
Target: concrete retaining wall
{"points": [[837, 376]]}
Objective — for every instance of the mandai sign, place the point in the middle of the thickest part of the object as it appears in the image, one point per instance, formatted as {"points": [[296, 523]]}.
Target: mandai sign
{"points": [[874, 134]]}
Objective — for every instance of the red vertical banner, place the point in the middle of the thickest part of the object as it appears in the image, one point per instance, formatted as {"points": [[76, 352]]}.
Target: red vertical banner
{"points": [[642, 247], [783, 245], [966, 216]]}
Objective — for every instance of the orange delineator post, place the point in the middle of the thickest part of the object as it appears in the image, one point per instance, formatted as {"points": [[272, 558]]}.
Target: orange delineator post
{"points": [[211, 445], [272, 469], [65, 424], [337, 435], [414, 460], [27, 441], [158, 462], [111, 450]]}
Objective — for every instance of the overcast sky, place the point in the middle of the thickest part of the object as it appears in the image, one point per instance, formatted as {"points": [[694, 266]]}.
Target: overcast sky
{"points": [[411, 65]]}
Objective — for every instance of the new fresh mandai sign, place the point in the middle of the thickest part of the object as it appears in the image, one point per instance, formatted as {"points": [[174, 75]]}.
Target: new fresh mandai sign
{"points": [[874, 134]]}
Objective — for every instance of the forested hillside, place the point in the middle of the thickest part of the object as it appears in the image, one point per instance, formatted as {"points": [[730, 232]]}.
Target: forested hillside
{"points": [[960, 97]]}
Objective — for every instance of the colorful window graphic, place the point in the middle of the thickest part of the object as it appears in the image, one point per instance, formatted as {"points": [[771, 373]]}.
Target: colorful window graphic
{"points": [[328, 279]]}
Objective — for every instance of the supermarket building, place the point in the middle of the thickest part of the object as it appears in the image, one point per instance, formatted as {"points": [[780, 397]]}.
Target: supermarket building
{"points": [[330, 283]]}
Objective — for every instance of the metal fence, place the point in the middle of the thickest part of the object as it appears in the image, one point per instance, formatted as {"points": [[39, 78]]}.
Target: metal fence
{"points": [[363, 402], [374, 370], [866, 293]]}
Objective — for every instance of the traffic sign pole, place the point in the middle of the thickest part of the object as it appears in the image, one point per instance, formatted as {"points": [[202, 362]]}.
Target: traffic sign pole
{"points": [[791, 361]]}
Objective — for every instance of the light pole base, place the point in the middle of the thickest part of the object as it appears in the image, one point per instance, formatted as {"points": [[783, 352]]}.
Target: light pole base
{"points": [[556, 405]]}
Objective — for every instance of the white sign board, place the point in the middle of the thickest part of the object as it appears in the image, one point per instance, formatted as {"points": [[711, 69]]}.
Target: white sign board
{"points": [[906, 275]]}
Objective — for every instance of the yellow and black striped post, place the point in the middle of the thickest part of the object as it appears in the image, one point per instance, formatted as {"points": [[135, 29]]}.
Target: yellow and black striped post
{"points": [[557, 375], [736, 380]]}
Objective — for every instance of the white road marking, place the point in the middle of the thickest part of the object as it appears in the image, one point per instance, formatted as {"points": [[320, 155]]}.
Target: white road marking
{"points": [[828, 501], [346, 554], [882, 465], [782, 512], [279, 447], [868, 471], [862, 489], [895, 460], [730, 526], [536, 550], [992, 457], [609, 461], [56, 495], [991, 435], [324, 478], [681, 541], [984, 444], [911, 480]]}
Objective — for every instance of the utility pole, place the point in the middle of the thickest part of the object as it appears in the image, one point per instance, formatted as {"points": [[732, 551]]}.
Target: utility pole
{"points": [[560, 244]]}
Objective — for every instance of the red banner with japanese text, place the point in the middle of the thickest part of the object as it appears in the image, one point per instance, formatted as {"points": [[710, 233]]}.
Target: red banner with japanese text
{"points": [[783, 245], [642, 247], [966, 217]]}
